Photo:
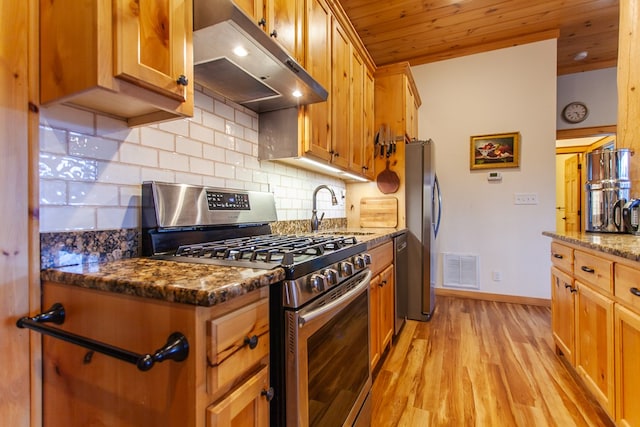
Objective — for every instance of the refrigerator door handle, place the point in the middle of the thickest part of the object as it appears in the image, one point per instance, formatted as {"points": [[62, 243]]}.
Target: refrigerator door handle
{"points": [[435, 192]]}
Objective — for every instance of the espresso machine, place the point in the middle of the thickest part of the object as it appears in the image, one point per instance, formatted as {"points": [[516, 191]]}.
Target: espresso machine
{"points": [[607, 190]]}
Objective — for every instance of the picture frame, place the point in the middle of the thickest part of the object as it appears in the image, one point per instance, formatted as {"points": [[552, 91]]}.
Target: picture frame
{"points": [[495, 151]]}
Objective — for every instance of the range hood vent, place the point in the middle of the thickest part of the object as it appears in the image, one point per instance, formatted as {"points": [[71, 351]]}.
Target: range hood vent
{"points": [[263, 80]]}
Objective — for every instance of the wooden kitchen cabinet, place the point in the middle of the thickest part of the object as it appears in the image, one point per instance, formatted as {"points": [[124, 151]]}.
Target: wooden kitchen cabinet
{"points": [[627, 382], [563, 313], [397, 99], [223, 381], [341, 113], [381, 301], [361, 150], [130, 60], [281, 19]]}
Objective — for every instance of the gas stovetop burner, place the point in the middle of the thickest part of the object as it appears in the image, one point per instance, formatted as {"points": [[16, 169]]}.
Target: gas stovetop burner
{"points": [[283, 250]]}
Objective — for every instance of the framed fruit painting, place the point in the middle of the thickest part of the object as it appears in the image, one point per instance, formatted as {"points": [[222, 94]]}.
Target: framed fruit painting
{"points": [[495, 151]]}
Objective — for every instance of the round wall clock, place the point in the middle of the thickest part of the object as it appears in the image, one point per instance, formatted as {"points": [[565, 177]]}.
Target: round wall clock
{"points": [[575, 112]]}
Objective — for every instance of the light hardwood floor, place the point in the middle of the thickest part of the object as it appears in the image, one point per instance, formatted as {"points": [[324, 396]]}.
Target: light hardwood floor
{"points": [[480, 363]]}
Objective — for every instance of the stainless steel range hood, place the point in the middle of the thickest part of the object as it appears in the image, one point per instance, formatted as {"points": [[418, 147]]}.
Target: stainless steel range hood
{"points": [[263, 80]]}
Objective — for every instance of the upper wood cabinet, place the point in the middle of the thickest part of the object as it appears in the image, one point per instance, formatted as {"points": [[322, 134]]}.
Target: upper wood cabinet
{"points": [[341, 113], [397, 99], [130, 60], [281, 19]]}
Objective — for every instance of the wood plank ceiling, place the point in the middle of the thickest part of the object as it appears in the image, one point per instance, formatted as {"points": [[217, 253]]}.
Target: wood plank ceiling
{"points": [[422, 31]]}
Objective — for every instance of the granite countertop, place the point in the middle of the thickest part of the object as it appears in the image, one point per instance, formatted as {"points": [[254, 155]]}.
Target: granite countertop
{"points": [[188, 283], [622, 245]]}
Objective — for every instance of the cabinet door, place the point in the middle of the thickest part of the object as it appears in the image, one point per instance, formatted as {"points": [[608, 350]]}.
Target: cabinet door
{"points": [[387, 304], [340, 103], [374, 321], [411, 121], [247, 405], [253, 8], [317, 123], [285, 24], [627, 330], [152, 44], [368, 168], [563, 313], [594, 344], [356, 150]]}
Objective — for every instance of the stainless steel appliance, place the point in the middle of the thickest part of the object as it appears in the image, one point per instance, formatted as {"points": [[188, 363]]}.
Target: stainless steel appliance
{"points": [[631, 216], [319, 315], [401, 272], [607, 189], [424, 209]]}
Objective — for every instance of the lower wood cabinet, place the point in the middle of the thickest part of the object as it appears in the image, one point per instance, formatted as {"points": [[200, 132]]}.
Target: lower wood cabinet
{"points": [[381, 301], [594, 344], [596, 306], [223, 382]]}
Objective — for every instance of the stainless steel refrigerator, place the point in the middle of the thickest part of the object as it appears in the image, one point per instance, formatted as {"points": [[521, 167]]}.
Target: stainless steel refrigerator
{"points": [[423, 213]]}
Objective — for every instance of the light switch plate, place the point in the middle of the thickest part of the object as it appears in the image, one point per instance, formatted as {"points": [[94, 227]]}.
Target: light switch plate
{"points": [[525, 199]]}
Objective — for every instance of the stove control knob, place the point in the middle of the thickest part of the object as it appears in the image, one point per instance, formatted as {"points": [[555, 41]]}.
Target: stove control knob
{"points": [[346, 268], [359, 262], [317, 283], [367, 258], [331, 275]]}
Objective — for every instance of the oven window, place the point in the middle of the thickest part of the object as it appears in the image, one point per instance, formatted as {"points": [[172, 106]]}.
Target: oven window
{"points": [[338, 356]]}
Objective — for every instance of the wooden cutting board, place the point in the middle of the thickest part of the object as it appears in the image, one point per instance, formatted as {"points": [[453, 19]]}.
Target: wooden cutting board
{"points": [[378, 212]]}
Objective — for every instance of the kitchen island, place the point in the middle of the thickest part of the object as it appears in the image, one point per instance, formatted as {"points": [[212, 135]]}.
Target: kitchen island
{"points": [[135, 304], [595, 280]]}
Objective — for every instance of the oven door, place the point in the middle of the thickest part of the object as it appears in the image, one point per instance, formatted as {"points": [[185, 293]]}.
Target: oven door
{"points": [[328, 377]]}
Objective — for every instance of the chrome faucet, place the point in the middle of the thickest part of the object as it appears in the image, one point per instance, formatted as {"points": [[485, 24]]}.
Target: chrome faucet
{"points": [[315, 222]]}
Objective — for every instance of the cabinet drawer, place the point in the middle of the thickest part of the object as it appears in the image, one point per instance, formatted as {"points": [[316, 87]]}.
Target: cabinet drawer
{"points": [[627, 286], [593, 270], [381, 256], [562, 257], [236, 345]]}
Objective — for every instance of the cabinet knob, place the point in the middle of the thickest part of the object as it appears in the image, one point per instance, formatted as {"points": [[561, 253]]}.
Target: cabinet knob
{"points": [[182, 80], [262, 23], [382, 283], [558, 256], [251, 341], [574, 290], [268, 394], [635, 291], [587, 269], [274, 34]]}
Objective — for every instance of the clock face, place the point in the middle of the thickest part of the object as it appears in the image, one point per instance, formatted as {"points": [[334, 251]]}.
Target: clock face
{"points": [[575, 112]]}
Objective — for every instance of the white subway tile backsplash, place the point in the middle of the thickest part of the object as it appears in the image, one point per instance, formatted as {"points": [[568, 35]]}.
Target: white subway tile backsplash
{"points": [[93, 194], [201, 166], [138, 155], [201, 133], [175, 161], [67, 218], [118, 173], [156, 138], [90, 177], [117, 130], [189, 146], [53, 192], [53, 140], [93, 147], [62, 117], [223, 110]]}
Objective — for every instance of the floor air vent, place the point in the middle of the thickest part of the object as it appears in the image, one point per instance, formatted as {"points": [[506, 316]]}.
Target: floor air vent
{"points": [[460, 271]]}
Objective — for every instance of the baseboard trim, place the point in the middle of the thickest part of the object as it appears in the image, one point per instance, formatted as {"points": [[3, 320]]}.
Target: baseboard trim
{"points": [[514, 299]]}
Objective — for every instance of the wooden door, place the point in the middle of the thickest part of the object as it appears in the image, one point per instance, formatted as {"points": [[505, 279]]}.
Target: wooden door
{"points": [[244, 406], [572, 193], [317, 123], [563, 313], [356, 149], [152, 44], [594, 344], [340, 103], [15, 409], [374, 321], [285, 25], [627, 340], [387, 305]]}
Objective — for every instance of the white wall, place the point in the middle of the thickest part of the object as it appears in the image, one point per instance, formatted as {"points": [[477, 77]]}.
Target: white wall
{"points": [[92, 166], [597, 89], [505, 90]]}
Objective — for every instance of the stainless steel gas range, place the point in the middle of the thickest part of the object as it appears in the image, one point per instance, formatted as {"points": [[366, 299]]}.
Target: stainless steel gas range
{"points": [[319, 315]]}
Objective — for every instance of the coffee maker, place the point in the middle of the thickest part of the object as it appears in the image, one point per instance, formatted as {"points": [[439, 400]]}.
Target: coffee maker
{"points": [[607, 190]]}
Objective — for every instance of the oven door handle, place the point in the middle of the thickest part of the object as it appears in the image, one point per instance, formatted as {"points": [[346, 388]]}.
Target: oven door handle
{"points": [[337, 304]]}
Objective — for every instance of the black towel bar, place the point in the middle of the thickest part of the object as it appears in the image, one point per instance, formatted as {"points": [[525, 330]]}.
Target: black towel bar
{"points": [[176, 347]]}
